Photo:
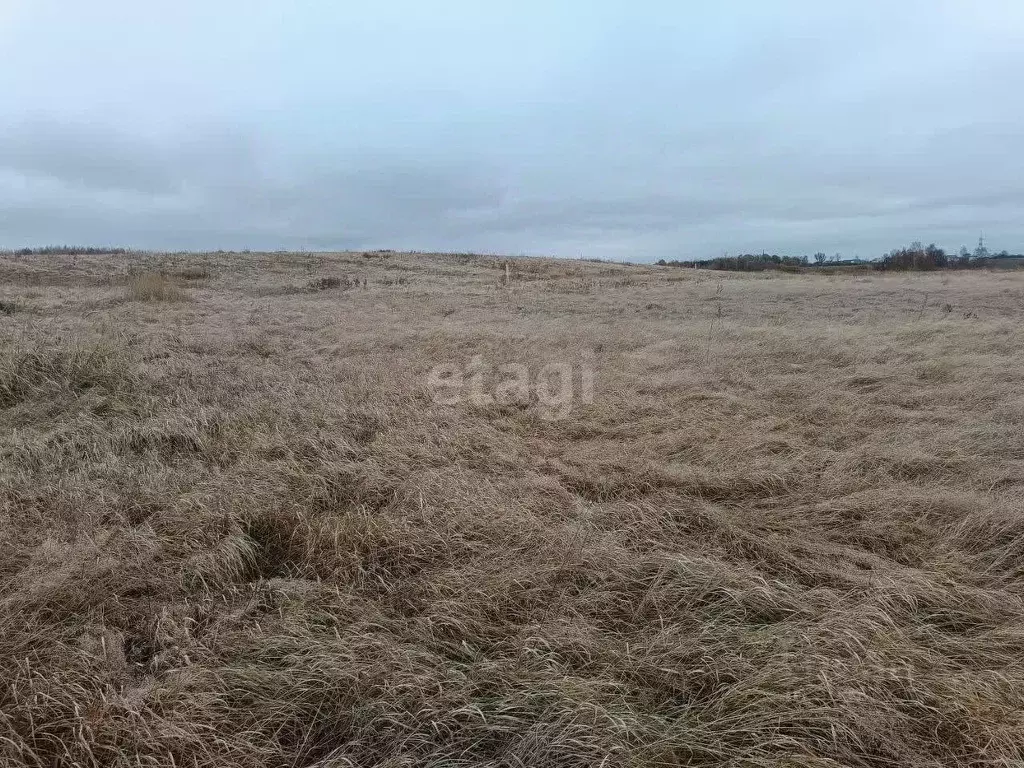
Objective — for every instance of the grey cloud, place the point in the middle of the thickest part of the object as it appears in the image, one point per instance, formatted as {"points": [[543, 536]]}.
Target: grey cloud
{"points": [[100, 156], [645, 130], [216, 190], [82, 155]]}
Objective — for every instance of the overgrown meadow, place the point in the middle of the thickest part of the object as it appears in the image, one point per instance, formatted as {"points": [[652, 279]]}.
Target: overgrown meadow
{"points": [[240, 528]]}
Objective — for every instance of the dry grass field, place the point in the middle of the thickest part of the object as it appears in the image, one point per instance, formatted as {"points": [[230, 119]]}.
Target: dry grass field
{"points": [[239, 528]]}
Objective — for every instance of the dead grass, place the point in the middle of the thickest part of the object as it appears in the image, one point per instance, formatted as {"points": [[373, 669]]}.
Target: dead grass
{"points": [[43, 373], [193, 273], [239, 532], [153, 286]]}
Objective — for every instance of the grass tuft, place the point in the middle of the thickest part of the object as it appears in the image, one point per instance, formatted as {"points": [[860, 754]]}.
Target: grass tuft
{"points": [[153, 287]]}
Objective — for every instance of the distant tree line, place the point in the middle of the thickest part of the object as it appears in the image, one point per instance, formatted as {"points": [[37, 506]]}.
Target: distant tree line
{"points": [[913, 257], [747, 262], [919, 257], [64, 250], [759, 262]]}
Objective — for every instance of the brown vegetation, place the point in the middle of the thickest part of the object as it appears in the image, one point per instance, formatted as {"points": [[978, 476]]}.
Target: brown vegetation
{"points": [[238, 530], [153, 286]]}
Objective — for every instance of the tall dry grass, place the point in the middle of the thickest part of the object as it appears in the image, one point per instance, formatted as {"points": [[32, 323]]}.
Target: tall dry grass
{"points": [[153, 286], [238, 531]]}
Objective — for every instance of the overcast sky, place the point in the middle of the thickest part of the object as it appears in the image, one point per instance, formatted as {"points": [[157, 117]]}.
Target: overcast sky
{"points": [[627, 129]]}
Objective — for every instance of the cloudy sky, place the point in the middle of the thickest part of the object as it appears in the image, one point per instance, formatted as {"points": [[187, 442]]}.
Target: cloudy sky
{"points": [[617, 129]]}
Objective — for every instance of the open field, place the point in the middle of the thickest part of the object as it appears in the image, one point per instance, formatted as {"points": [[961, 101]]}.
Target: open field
{"points": [[238, 528]]}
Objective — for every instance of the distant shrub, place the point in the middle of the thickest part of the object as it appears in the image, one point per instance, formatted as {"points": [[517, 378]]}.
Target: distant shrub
{"points": [[332, 282], [916, 257], [325, 283]]}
